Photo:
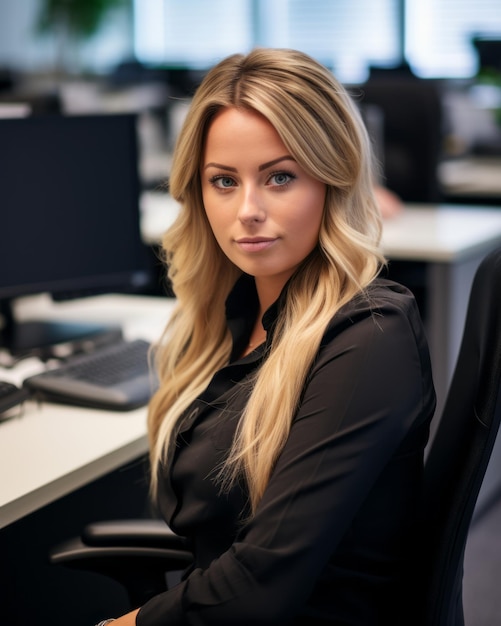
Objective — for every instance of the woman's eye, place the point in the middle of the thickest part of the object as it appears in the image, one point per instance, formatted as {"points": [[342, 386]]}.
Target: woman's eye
{"points": [[281, 178], [222, 182]]}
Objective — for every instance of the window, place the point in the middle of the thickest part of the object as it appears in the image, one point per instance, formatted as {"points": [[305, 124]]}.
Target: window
{"points": [[197, 32], [193, 33], [347, 35], [438, 35]]}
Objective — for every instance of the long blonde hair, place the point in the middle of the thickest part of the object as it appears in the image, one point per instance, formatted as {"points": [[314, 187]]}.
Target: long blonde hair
{"points": [[320, 125]]}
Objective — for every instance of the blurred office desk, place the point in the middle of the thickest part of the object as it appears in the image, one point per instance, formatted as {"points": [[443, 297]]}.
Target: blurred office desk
{"points": [[451, 240], [52, 450], [471, 180]]}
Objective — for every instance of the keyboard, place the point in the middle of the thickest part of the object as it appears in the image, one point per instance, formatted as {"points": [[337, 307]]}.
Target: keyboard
{"points": [[11, 396], [115, 377]]}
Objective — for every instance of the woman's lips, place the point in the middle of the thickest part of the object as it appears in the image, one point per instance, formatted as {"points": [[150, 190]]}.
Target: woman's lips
{"points": [[255, 244]]}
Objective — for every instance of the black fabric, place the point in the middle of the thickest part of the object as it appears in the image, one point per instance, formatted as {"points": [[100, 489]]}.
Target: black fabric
{"points": [[460, 451], [334, 533]]}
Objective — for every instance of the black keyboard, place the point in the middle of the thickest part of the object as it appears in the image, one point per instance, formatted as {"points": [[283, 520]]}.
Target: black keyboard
{"points": [[11, 396], [115, 377]]}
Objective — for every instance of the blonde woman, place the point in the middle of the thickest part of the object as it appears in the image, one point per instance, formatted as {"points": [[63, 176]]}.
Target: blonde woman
{"points": [[288, 431]]}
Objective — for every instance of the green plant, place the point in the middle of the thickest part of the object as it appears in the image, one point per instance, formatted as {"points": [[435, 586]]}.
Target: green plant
{"points": [[491, 76], [81, 18]]}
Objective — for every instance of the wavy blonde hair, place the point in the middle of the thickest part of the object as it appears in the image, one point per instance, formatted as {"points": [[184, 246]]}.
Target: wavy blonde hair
{"points": [[321, 127]]}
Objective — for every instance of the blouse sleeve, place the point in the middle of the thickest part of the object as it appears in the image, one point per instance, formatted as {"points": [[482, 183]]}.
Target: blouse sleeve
{"points": [[370, 388]]}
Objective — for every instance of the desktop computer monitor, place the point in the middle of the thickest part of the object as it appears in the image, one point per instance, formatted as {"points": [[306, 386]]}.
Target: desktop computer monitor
{"points": [[70, 218]]}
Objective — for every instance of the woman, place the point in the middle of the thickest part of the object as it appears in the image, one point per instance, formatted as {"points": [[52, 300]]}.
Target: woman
{"points": [[287, 435]]}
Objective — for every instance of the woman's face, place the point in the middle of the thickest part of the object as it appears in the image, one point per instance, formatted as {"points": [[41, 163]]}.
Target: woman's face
{"points": [[264, 209]]}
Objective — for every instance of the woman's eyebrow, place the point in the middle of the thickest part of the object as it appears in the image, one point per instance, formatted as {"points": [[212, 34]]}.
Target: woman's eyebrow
{"points": [[221, 167], [265, 166], [262, 167]]}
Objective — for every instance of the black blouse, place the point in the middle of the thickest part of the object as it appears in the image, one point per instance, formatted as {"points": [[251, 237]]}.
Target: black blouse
{"points": [[332, 539]]}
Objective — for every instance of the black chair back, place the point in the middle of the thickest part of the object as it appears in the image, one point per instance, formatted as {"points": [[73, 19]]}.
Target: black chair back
{"points": [[461, 448]]}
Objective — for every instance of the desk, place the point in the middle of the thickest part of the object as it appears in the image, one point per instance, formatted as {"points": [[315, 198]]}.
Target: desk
{"points": [[473, 176], [451, 240], [52, 450]]}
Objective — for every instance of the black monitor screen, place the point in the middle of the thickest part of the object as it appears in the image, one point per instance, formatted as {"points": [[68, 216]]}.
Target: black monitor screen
{"points": [[69, 206]]}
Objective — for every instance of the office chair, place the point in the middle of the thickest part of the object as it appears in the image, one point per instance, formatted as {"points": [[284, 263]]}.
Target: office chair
{"points": [[454, 469], [137, 553], [459, 453]]}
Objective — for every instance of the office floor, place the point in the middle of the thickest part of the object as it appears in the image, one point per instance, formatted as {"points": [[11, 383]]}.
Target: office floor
{"points": [[482, 573]]}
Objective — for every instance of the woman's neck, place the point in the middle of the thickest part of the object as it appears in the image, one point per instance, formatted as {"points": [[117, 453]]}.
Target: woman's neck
{"points": [[268, 291]]}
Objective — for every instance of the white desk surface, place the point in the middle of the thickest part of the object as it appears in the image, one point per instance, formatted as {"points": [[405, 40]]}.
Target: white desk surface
{"points": [[440, 233], [52, 450], [474, 175]]}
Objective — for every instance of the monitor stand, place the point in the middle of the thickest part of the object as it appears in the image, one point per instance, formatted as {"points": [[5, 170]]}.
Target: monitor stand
{"points": [[49, 339]]}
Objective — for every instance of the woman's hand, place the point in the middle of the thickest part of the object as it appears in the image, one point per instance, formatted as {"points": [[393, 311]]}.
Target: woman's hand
{"points": [[129, 619]]}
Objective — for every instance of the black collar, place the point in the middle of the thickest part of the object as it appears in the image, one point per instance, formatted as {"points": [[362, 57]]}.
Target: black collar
{"points": [[242, 306]]}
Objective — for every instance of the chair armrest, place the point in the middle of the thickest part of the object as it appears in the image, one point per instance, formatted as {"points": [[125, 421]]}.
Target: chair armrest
{"points": [[135, 553], [150, 533]]}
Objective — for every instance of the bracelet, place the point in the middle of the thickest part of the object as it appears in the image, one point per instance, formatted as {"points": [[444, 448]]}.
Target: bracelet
{"points": [[105, 621]]}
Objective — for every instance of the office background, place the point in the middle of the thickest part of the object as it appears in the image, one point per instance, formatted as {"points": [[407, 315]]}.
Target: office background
{"points": [[434, 36], [147, 56]]}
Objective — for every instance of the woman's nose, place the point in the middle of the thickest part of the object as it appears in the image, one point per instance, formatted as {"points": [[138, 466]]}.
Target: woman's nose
{"points": [[251, 207]]}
